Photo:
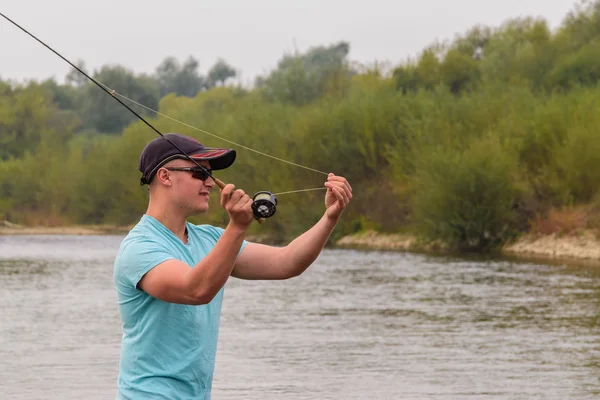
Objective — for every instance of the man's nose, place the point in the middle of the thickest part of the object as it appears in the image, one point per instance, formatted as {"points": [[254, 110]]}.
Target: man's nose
{"points": [[209, 182]]}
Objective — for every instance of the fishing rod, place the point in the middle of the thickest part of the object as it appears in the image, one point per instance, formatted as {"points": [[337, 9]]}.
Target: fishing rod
{"points": [[264, 204]]}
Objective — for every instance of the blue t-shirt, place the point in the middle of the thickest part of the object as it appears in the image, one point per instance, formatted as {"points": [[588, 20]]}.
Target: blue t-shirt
{"points": [[168, 350]]}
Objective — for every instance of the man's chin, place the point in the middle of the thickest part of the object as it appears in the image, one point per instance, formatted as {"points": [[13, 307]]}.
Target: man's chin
{"points": [[200, 210]]}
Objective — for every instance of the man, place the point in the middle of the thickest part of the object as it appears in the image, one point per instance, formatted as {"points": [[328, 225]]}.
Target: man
{"points": [[169, 274]]}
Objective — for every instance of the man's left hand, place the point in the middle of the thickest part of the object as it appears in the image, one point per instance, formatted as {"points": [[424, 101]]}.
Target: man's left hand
{"points": [[339, 193]]}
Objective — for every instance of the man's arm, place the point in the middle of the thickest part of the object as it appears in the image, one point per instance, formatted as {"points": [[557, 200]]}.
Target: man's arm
{"points": [[259, 261], [176, 282]]}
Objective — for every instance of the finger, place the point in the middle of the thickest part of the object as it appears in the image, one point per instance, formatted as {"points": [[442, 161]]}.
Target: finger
{"points": [[240, 195], [341, 179], [343, 187], [341, 195], [236, 197], [338, 194], [229, 188], [244, 204], [226, 193], [348, 190]]}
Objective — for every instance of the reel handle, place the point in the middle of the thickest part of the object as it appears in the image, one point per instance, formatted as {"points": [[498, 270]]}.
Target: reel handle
{"points": [[221, 184]]}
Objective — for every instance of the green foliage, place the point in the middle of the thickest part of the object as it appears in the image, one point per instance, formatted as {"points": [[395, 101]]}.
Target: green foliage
{"points": [[63, 96], [102, 113], [467, 144], [18, 196], [219, 73], [581, 26], [580, 68], [301, 78], [183, 80], [459, 71], [577, 160], [27, 114], [466, 198]]}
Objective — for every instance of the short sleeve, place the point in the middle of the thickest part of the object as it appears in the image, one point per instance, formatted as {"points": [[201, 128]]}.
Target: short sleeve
{"points": [[137, 258]]}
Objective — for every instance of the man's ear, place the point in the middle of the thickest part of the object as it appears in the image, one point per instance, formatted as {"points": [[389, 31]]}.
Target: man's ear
{"points": [[163, 177]]}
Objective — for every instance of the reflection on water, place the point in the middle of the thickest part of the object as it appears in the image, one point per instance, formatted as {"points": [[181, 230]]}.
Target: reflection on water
{"points": [[357, 325]]}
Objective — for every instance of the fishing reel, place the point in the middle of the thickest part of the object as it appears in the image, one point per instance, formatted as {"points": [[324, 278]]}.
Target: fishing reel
{"points": [[264, 205]]}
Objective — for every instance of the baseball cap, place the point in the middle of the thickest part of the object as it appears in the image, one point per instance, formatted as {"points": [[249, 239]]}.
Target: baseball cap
{"points": [[159, 152]]}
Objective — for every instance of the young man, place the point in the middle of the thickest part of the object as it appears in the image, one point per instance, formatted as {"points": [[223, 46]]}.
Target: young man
{"points": [[169, 274]]}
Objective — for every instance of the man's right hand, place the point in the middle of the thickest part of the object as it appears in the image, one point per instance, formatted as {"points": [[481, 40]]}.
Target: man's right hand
{"points": [[238, 205], [174, 281]]}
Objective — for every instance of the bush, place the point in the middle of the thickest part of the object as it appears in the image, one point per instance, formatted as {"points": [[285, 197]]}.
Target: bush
{"points": [[466, 198]]}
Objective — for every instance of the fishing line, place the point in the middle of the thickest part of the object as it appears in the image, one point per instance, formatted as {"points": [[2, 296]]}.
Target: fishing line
{"points": [[296, 191], [264, 202], [101, 87], [115, 93]]}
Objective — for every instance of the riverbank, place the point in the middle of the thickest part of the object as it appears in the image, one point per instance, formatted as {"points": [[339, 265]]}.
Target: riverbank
{"points": [[7, 228], [582, 247], [10, 229]]}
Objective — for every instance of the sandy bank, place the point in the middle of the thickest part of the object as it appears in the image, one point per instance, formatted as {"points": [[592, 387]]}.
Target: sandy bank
{"points": [[379, 241], [582, 247]]}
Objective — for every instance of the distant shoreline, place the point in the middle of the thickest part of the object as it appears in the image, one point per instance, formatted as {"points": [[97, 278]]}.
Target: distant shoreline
{"points": [[7, 229], [583, 247]]}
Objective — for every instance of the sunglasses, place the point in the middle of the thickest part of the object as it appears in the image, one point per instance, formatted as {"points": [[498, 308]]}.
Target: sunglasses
{"points": [[197, 172]]}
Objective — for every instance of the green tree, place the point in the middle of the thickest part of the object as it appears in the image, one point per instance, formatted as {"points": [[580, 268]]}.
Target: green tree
{"points": [[406, 78], [219, 73], [301, 78], [101, 113], [76, 78], [466, 199], [579, 68], [183, 80], [27, 115], [64, 96], [459, 71], [581, 26]]}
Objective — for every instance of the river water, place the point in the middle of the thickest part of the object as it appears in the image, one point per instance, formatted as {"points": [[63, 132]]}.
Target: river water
{"points": [[356, 325]]}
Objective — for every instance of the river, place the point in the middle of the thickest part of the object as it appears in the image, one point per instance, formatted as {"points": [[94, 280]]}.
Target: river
{"points": [[356, 325]]}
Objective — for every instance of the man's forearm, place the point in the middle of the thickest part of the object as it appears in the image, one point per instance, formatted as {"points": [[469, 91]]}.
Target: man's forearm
{"points": [[210, 274], [304, 250]]}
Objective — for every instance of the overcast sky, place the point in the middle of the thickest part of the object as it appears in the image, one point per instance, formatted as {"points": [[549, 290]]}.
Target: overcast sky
{"points": [[250, 35]]}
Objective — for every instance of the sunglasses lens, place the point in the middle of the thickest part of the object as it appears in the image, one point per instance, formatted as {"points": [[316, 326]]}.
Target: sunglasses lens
{"points": [[201, 174]]}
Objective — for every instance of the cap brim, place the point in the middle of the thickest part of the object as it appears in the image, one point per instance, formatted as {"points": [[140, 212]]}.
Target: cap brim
{"points": [[218, 158]]}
